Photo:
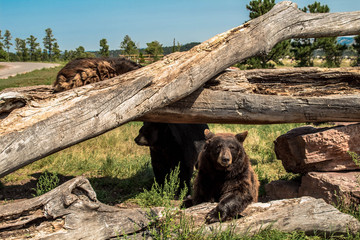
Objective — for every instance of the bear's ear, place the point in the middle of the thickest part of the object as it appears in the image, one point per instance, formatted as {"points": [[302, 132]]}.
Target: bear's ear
{"points": [[241, 136], [208, 134]]}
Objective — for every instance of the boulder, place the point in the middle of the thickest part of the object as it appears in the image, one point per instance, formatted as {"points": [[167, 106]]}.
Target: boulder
{"points": [[340, 188], [282, 189], [308, 149], [305, 214]]}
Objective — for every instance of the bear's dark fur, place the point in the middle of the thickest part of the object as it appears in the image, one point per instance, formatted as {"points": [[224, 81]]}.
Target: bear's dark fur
{"points": [[82, 71], [171, 144], [225, 176]]}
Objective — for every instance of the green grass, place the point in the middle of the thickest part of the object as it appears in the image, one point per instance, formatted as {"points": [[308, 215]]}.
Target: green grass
{"points": [[44, 76], [120, 171]]}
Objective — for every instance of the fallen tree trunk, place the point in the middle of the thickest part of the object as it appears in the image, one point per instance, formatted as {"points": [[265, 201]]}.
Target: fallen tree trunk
{"points": [[33, 132], [270, 96], [258, 96], [72, 211]]}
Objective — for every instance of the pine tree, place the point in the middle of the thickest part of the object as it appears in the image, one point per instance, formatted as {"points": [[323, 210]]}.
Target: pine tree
{"points": [[303, 48], [104, 50], [1, 41], [155, 49], [280, 50], [259, 7], [56, 51], [48, 41], [356, 47], [3, 54], [33, 45], [80, 52], [7, 43], [175, 48], [128, 46], [21, 50]]}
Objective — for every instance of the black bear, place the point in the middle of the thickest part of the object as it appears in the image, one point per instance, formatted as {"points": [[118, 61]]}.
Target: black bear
{"points": [[82, 71], [225, 176], [171, 144]]}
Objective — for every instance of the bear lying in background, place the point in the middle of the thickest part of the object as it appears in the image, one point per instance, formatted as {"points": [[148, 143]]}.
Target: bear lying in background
{"points": [[171, 144], [225, 176], [82, 71]]}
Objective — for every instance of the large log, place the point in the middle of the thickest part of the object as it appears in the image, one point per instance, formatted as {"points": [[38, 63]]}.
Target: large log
{"points": [[72, 211], [260, 96], [270, 96], [33, 132]]}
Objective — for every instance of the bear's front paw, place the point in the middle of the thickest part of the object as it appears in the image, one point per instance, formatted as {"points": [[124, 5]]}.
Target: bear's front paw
{"points": [[187, 202], [213, 216]]}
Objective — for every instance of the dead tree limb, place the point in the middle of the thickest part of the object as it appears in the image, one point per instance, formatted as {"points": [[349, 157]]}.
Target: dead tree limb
{"points": [[33, 132], [258, 96], [270, 96], [72, 211]]}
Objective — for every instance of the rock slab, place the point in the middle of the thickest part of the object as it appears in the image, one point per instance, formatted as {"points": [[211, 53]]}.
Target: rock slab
{"points": [[299, 214], [308, 149]]}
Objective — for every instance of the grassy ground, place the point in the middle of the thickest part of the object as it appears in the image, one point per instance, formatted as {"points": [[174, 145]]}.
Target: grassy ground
{"points": [[37, 77], [119, 170]]}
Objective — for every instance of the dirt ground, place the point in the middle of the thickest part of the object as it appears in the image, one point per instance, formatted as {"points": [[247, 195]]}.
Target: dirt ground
{"points": [[14, 68]]}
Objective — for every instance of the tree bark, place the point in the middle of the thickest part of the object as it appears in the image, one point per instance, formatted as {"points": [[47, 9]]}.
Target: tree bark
{"points": [[33, 132], [71, 211], [270, 96]]}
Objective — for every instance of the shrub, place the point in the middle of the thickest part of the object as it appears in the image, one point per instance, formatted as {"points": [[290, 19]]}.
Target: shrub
{"points": [[46, 182], [163, 195]]}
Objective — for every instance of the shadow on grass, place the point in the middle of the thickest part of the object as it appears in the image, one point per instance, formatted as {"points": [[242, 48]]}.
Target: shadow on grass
{"points": [[109, 190], [25, 190], [113, 190]]}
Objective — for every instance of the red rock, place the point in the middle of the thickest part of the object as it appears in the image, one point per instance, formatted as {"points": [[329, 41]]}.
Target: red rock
{"points": [[307, 149], [333, 187]]}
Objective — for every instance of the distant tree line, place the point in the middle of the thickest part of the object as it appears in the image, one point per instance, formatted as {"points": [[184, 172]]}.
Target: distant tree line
{"points": [[299, 50], [29, 49]]}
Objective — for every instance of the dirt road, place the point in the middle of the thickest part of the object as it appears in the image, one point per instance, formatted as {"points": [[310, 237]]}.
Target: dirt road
{"points": [[13, 68]]}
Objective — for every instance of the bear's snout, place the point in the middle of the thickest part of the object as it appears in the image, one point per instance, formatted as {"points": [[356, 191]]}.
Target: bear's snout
{"points": [[225, 157], [141, 140]]}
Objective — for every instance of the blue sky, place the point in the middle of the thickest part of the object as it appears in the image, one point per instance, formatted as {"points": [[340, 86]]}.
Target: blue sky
{"points": [[84, 22]]}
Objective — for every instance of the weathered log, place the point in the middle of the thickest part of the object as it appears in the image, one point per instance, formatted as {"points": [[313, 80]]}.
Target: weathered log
{"points": [[72, 211], [33, 132], [271, 95]]}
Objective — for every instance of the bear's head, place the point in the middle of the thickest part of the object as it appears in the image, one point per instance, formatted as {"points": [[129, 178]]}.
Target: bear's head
{"points": [[224, 149], [149, 134]]}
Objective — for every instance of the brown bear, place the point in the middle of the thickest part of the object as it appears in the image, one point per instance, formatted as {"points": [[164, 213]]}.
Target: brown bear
{"points": [[171, 145], [225, 176], [82, 71]]}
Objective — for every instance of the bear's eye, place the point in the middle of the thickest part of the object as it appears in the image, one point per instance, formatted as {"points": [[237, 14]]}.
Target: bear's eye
{"points": [[232, 147], [218, 148]]}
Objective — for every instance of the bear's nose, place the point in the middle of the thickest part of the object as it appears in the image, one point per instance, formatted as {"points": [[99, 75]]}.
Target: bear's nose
{"points": [[225, 159]]}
